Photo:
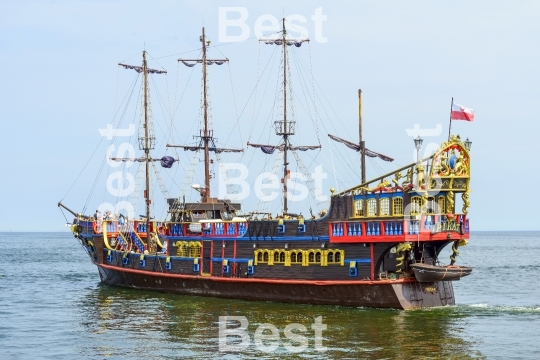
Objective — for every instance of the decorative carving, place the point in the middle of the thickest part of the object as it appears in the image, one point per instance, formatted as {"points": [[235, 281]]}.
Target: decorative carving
{"points": [[460, 167], [400, 252], [466, 202], [396, 178], [450, 202], [452, 159], [383, 185], [444, 169], [408, 177], [459, 184], [420, 180]]}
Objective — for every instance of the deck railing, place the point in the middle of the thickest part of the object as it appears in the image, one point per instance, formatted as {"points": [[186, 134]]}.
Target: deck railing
{"points": [[415, 225], [232, 229]]}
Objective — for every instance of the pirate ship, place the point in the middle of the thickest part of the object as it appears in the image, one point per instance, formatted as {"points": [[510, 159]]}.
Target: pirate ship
{"points": [[377, 244]]}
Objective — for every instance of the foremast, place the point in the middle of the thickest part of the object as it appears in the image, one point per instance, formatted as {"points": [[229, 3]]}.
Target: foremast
{"points": [[146, 143], [146, 148]]}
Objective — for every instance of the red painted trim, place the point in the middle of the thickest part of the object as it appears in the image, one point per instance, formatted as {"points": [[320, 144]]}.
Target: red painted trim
{"points": [[201, 258], [366, 239], [372, 264], [222, 254], [234, 257], [254, 280], [424, 236], [211, 254]]}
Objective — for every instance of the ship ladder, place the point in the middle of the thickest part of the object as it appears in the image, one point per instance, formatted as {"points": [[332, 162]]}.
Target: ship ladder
{"points": [[137, 241], [123, 242]]}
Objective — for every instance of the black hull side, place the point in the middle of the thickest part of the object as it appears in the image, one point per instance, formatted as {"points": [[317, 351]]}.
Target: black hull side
{"points": [[400, 294]]}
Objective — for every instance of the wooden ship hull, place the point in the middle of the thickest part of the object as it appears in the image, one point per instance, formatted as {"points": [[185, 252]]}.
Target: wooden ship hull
{"points": [[371, 281], [400, 294]]}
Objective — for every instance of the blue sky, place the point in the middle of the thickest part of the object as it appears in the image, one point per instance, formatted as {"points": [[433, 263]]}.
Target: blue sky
{"points": [[60, 83]]}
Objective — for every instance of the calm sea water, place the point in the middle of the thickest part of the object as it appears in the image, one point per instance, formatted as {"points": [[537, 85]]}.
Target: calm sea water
{"points": [[53, 306]]}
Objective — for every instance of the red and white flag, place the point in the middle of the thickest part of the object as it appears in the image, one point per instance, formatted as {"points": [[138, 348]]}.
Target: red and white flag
{"points": [[460, 112]]}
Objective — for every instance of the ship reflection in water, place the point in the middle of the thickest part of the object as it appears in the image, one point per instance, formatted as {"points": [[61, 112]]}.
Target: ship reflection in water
{"points": [[134, 324]]}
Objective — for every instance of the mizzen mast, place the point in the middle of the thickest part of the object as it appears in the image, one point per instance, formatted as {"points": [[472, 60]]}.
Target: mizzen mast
{"points": [[361, 146]]}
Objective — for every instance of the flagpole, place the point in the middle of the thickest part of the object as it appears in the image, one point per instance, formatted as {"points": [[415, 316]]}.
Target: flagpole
{"points": [[450, 125]]}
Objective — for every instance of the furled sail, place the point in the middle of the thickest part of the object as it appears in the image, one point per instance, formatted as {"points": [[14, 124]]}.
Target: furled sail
{"points": [[166, 161], [193, 62], [139, 69], [356, 147], [210, 148], [269, 149], [289, 42]]}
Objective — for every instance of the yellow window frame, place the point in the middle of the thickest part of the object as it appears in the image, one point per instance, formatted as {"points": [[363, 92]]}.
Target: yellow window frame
{"points": [[397, 204]]}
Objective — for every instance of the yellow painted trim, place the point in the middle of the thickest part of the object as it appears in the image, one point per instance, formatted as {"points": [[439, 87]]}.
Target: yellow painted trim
{"points": [[270, 257], [354, 208], [105, 239], [123, 237], [368, 201], [385, 199], [413, 206], [157, 239], [305, 256], [394, 200], [287, 258], [324, 257]]}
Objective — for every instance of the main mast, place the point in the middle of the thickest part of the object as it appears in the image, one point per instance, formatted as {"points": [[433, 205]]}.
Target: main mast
{"points": [[284, 127], [285, 133]]}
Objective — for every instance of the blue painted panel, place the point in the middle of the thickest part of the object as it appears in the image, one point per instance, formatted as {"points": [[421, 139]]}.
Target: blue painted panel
{"points": [[359, 261]]}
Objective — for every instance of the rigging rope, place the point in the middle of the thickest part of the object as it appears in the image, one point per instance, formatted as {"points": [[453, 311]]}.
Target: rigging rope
{"points": [[99, 143]]}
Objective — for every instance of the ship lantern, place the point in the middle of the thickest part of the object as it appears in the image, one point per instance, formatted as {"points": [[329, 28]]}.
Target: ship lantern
{"points": [[468, 144], [418, 144]]}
